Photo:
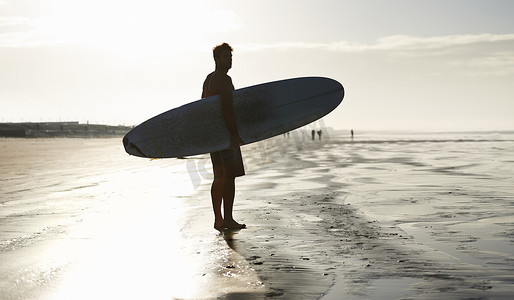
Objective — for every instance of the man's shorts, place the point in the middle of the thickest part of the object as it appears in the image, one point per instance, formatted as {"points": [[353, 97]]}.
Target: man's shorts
{"points": [[228, 163]]}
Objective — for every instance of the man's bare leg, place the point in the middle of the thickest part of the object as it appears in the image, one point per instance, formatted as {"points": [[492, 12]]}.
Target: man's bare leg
{"points": [[229, 191], [217, 196]]}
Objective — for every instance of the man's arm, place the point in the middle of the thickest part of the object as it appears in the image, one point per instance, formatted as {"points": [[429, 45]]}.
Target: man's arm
{"points": [[227, 107]]}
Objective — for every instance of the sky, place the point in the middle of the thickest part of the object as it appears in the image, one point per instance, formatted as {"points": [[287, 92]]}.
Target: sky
{"points": [[439, 65]]}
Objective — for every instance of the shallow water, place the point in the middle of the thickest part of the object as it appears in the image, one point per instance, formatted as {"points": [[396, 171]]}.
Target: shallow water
{"points": [[394, 214]]}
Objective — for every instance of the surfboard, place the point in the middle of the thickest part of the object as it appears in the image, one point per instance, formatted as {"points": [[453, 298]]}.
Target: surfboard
{"points": [[262, 111]]}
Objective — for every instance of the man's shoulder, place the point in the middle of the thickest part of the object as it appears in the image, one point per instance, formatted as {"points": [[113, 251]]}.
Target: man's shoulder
{"points": [[216, 83], [209, 77], [219, 79], [220, 76]]}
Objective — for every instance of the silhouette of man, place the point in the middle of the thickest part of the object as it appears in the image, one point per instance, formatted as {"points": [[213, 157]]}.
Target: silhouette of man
{"points": [[226, 164]]}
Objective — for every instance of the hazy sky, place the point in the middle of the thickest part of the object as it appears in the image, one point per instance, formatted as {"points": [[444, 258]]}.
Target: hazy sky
{"points": [[406, 64]]}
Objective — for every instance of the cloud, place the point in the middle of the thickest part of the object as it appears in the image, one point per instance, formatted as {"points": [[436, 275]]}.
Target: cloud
{"points": [[403, 42], [389, 43], [18, 32]]}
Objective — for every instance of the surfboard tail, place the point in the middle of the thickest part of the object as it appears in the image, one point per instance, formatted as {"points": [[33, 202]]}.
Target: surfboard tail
{"points": [[131, 148]]}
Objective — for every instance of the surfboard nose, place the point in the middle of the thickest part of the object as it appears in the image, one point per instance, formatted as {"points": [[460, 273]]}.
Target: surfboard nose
{"points": [[338, 86], [342, 90]]}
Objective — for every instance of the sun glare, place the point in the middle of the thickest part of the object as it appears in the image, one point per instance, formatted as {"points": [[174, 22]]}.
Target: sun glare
{"points": [[134, 26]]}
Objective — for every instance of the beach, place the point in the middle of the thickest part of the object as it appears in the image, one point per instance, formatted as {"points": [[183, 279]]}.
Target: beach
{"points": [[383, 215]]}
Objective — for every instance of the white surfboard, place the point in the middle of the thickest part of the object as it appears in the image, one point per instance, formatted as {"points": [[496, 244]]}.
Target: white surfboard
{"points": [[262, 111]]}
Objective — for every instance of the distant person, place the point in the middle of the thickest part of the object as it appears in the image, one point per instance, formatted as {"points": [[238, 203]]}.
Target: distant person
{"points": [[226, 164], [313, 133], [351, 132], [319, 134]]}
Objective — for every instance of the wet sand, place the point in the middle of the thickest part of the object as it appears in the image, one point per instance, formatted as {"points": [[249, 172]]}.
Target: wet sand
{"points": [[378, 217]]}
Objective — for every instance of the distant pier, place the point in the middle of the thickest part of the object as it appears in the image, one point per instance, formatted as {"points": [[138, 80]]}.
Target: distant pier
{"points": [[60, 129]]}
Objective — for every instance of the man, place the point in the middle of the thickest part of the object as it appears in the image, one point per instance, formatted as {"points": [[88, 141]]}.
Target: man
{"points": [[226, 164]]}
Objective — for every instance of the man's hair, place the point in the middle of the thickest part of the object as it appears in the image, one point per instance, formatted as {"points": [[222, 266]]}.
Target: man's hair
{"points": [[216, 51]]}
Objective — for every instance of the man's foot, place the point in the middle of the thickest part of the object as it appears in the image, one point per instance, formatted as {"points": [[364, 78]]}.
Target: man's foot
{"points": [[233, 225], [219, 226]]}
